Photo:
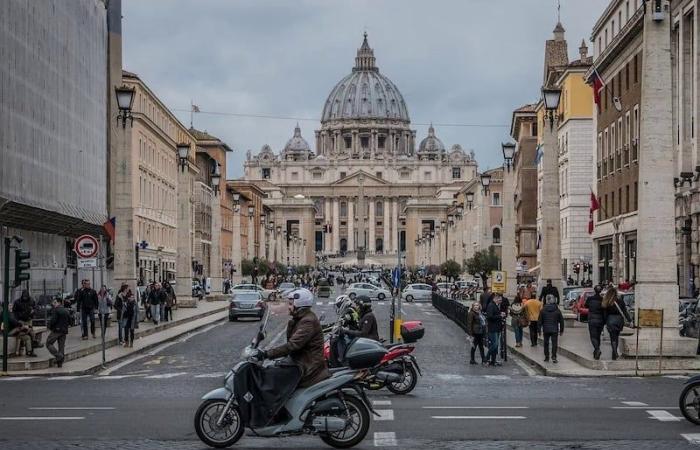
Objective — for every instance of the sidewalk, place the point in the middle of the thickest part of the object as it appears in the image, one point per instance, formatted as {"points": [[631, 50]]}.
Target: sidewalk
{"points": [[575, 357], [84, 356]]}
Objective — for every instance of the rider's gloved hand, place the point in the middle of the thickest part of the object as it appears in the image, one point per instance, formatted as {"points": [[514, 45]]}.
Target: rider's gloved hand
{"points": [[259, 355]]}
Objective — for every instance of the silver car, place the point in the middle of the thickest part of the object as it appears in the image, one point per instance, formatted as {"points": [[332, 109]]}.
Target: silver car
{"points": [[246, 304], [417, 292], [267, 294], [371, 291]]}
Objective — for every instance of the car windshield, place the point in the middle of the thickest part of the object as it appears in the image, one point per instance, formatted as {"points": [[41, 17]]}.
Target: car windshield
{"points": [[247, 297], [286, 285], [245, 287]]}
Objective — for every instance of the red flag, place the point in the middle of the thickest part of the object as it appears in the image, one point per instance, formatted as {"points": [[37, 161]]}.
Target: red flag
{"points": [[594, 206], [597, 83], [109, 228]]}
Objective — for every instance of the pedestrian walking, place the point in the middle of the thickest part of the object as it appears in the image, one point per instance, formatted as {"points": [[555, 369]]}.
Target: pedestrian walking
{"points": [[548, 289], [596, 319], [518, 319], [485, 298], [58, 326], [615, 316], [130, 319], [494, 318], [476, 329], [532, 309], [104, 307], [156, 298], [169, 301], [119, 305], [551, 322], [86, 299]]}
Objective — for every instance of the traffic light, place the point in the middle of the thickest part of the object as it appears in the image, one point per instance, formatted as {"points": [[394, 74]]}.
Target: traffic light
{"points": [[577, 268], [21, 266]]}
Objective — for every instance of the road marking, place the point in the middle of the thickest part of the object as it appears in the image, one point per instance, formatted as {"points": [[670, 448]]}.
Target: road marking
{"points": [[448, 377], [381, 402], [211, 375], [385, 439], [67, 378], [479, 417], [644, 407], [319, 303], [72, 408], [381, 304], [693, 438], [165, 376], [677, 377], [42, 418], [634, 403], [663, 416], [384, 414], [15, 378], [115, 377], [497, 377], [475, 407]]}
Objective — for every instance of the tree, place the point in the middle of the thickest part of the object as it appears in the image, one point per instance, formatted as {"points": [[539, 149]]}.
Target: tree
{"points": [[483, 263], [451, 269], [247, 267]]}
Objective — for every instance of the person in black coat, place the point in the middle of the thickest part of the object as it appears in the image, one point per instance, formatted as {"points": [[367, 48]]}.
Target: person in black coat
{"points": [[368, 322], [548, 289], [485, 299], [58, 325], [615, 316], [551, 322], [596, 319], [494, 322], [87, 302]]}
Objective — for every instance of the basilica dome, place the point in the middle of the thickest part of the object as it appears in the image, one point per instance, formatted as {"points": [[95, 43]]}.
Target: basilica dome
{"points": [[297, 143], [365, 93], [431, 144]]}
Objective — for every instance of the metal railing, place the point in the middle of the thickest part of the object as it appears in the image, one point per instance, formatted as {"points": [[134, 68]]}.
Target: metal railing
{"points": [[454, 310]]}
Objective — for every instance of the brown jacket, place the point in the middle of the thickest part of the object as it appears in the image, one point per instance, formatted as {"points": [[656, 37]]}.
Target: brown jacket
{"points": [[305, 346]]}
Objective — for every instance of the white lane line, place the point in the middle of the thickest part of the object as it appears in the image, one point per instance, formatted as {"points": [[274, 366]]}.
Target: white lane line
{"points": [[211, 375], [677, 377], [42, 418], [319, 303], [448, 377], [115, 377], [663, 416], [380, 304], [497, 377], [384, 414], [67, 378], [693, 438], [381, 402], [15, 378], [164, 376], [644, 407], [475, 407], [387, 439], [72, 408], [634, 403], [479, 417]]}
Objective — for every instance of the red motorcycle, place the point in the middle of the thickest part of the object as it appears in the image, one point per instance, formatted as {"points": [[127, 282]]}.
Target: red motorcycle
{"points": [[397, 371]]}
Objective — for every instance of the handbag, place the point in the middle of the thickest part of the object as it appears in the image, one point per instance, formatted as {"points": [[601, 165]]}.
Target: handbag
{"points": [[523, 321], [624, 317]]}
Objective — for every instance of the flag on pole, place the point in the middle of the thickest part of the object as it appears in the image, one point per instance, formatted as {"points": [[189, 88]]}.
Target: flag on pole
{"points": [[109, 227], [598, 84], [539, 152], [195, 108], [595, 205]]}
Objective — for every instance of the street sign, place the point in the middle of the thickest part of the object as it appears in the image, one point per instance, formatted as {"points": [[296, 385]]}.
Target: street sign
{"points": [[498, 282], [86, 263], [396, 277], [86, 246], [650, 318]]}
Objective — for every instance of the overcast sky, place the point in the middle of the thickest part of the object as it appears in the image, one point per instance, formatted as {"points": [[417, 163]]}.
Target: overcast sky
{"points": [[455, 62]]}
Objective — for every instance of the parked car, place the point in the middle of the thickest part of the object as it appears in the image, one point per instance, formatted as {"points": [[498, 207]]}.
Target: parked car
{"points": [[579, 306], [444, 288], [418, 292], [367, 289], [324, 288], [246, 304], [285, 288], [571, 296], [267, 294]]}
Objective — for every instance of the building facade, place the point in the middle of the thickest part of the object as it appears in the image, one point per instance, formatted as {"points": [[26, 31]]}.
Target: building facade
{"points": [[366, 168], [618, 38], [53, 135]]}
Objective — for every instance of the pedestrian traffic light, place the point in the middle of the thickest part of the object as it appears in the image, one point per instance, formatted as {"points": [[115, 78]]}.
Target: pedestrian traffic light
{"points": [[21, 266]]}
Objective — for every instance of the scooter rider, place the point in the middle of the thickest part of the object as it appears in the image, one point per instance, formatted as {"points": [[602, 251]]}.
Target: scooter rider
{"points": [[368, 322], [304, 340]]}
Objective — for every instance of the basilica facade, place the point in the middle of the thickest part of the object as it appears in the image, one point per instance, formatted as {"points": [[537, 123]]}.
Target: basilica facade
{"points": [[368, 185]]}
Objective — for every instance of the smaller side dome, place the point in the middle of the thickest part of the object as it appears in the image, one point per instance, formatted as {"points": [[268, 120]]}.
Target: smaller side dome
{"points": [[431, 144], [297, 144]]}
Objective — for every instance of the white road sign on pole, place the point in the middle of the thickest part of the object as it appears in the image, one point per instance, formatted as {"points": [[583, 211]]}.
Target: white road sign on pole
{"points": [[86, 263]]}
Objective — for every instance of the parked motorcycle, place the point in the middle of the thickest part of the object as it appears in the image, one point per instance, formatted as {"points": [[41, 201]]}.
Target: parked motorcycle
{"points": [[689, 401], [264, 399]]}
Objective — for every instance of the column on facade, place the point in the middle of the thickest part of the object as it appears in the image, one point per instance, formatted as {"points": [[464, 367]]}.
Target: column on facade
{"points": [[124, 242], [284, 249], [387, 224], [251, 236], [371, 245], [395, 225], [390, 143], [373, 144], [236, 251], [215, 248], [262, 241], [336, 225], [183, 284], [508, 250], [351, 224], [550, 265], [355, 142], [326, 221]]}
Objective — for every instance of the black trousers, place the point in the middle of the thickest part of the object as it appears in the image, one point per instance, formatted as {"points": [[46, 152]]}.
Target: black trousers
{"points": [[533, 332], [554, 337], [595, 329], [478, 342]]}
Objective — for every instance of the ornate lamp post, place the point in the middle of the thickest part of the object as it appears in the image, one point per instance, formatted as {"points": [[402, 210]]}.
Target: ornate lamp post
{"points": [[508, 249], [125, 101], [183, 150]]}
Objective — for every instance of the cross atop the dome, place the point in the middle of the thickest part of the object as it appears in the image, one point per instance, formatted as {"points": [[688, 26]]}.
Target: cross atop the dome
{"points": [[365, 56]]}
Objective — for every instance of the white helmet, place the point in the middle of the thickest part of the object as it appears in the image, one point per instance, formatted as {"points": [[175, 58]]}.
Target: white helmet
{"points": [[302, 298]]}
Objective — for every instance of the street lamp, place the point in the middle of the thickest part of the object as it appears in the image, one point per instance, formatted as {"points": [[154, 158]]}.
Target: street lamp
{"points": [[470, 199], [262, 219], [125, 100], [460, 211], [183, 149], [236, 200], [251, 210], [485, 182], [216, 179], [451, 219], [508, 153], [551, 96], [279, 229]]}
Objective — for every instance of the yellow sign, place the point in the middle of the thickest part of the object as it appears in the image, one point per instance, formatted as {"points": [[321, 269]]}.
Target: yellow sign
{"points": [[650, 318], [498, 282]]}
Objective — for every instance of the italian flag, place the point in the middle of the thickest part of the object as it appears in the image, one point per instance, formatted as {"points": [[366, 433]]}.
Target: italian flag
{"points": [[594, 206]]}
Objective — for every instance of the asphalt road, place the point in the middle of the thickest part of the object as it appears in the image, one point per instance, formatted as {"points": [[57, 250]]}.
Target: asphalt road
{"points": [[149, 402]]}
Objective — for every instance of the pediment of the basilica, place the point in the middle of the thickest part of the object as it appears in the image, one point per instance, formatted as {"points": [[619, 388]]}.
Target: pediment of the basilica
{"points": [[361, 177]]}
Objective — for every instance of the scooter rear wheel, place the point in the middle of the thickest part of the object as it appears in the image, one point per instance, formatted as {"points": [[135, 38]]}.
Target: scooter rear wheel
{"points": [[215, 436], [689, 403], [356, 429], [405, 386]]}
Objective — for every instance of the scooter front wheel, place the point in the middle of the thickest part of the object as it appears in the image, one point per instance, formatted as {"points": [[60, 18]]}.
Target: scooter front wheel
{"points": [[357, 416], [689, 402], [212, 434], [407, 383]]}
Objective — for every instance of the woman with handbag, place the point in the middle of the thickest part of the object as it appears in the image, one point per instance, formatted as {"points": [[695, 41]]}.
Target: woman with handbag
{"points": [[518, 320], [616, 316], [476, 329]]}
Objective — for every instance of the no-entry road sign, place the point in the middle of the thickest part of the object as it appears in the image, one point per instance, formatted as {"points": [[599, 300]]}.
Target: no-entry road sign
{"points": [[86, 246]]}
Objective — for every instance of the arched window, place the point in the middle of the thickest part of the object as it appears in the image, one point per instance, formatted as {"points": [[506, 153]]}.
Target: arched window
{"points": [[343, 209], [379, 209], [496, 235]]}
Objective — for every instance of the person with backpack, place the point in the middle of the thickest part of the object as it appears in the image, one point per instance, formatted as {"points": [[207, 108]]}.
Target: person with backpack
{"points": [[596, 319], [518, 319], [551, 322]]}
